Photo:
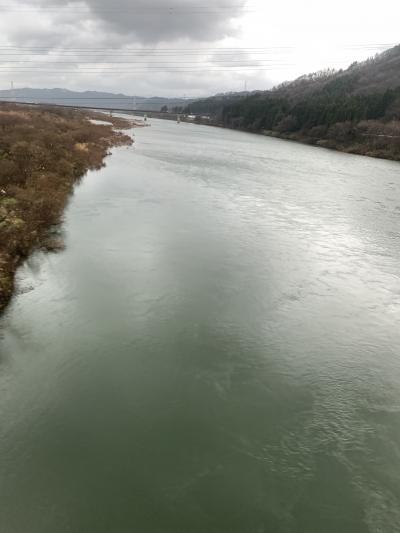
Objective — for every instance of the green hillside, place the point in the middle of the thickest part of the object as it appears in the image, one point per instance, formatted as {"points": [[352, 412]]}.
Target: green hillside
{"points": [[355, 110]]}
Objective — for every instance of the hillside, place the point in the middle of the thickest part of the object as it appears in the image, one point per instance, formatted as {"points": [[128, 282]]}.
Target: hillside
{"points": [[355, 110], [376, 74], [90, 99], [214, 105]]}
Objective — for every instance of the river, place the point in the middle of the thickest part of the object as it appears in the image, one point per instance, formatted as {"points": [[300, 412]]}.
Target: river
{"points": [[217, 350]]}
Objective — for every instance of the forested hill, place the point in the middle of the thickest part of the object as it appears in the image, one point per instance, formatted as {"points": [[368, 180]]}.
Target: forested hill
{"points": [[376, 74], [213, 105], [356, 110]]}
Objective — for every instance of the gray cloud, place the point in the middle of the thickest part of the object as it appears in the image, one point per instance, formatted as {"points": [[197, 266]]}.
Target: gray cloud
{"points": [[163, 22], [84, 43], [92, 25]]}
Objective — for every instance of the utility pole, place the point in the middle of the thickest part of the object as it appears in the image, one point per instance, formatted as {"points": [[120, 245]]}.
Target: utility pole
{"points": [[12, 91]]}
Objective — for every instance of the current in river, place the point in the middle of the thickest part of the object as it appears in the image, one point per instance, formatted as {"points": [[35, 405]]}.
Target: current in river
{"points": [[217, 350]]}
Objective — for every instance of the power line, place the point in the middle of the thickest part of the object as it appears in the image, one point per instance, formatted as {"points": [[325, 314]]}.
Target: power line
{"points": [[151, 60], [136, 9], [198, 71], [165, 57], [122, 53], [133, 11], [135, 69], [242, 5], [106, 64], [165, 63], [261, 54], [198, 49]]}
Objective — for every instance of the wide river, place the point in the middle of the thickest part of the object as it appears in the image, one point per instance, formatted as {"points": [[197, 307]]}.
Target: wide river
{"points": [[216, 351]]}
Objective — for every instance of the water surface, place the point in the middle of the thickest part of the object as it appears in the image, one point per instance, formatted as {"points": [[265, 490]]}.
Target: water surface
{"points": [[216, 351]]}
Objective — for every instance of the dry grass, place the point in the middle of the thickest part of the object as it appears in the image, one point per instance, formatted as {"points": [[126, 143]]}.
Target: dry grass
{"points": [[44, 151]]}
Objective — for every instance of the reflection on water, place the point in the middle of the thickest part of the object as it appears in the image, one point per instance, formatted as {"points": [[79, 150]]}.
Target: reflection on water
{"points": [[215, 350]]}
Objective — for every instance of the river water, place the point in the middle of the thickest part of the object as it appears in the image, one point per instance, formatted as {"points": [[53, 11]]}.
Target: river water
{"points": [[216, 351]]}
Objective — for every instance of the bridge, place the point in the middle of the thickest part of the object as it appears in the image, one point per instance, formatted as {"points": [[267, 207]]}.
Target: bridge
{"points": [[140, 112]]}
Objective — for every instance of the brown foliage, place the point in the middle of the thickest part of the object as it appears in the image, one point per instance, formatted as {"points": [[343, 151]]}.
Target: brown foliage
{"points": [[41, 157]]}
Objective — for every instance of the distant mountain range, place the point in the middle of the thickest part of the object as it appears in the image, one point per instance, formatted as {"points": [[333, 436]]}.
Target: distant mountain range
{"points": [[91, 99]]}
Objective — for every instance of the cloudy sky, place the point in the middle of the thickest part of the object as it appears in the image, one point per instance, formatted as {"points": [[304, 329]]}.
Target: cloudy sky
{"points": [[185, 47]]}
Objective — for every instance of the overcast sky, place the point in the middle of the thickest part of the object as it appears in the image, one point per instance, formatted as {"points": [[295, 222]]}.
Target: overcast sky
{"points": [[185, 47]]}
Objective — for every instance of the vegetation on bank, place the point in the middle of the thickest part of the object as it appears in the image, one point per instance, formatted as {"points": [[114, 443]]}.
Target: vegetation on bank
{"points": [[362, 124], [43, 152], [356, 110]]}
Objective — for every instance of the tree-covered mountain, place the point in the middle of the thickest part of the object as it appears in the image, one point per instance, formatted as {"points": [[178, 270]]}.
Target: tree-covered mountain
{"points": [[356, 110], [213, 105]]}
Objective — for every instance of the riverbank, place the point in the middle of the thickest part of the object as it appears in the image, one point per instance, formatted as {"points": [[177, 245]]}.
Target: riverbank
{"points": [[369, 138], [378, 145], [44, 152]]}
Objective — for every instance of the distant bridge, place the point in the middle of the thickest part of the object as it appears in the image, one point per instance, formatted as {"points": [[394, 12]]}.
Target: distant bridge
{"points": [[150, 113], [140, 112]]}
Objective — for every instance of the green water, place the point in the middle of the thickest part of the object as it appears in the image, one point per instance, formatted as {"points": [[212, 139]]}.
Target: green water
{"points": [[216, 351]]}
